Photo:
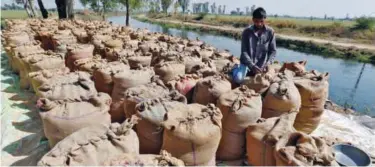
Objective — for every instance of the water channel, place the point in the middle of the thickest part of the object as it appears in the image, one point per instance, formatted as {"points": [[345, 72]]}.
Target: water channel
{"points": [[351, 83]]}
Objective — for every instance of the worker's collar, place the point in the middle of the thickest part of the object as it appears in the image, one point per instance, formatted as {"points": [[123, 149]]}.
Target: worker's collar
{"points": [[255, 28]]}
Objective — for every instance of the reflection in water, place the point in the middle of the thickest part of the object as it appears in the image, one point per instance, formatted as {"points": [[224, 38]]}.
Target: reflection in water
{"points": [[351, 82]]}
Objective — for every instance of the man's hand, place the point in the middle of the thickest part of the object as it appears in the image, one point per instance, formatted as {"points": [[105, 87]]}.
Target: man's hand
{"points": [[256, 69]]}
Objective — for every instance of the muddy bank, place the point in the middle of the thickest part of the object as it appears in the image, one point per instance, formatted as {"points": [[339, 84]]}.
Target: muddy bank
{"points": [[324, 49]]}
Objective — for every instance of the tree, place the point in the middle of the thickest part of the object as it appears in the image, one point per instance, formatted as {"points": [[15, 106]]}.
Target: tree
{"points": [[175, 6], [213, 8], [101, 6], [219, 9], [165, 5], [42, 9], [184, 4], [252, 9], [224, 9], [129, 5], [325, 17]]}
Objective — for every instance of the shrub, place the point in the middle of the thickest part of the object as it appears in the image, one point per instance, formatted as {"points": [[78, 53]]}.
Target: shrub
{"points": [[365, 23], [200, 16]]}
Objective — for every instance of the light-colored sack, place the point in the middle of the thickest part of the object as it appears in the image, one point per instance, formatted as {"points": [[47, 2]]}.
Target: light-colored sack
{"points": [[123, 81], [169, 70], [72, 87], [300, 149], [209, 89], [262, 136], [62, 119], [260, 83], [49, 61], [103, 75], [162, 159], [140, 60], [92, 146], [314, 93], [89, 64], [240, 108], [297, 67], [38, 78], [76, 52], [282, 97], [193, 133]]}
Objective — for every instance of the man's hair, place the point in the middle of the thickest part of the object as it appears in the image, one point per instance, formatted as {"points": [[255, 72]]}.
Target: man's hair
{"points": [[259, 13]]}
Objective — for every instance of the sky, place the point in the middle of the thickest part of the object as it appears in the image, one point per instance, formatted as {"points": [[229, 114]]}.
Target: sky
{"points": [[316, 8]]}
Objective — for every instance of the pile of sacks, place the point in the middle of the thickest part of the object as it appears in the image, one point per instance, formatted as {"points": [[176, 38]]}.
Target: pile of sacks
{"points": [[112, 95]]}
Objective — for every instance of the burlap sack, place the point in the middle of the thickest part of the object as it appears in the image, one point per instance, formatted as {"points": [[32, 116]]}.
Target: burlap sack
{"points": [[123, 81], [148, 128], [193, 133], [185, 85], [60, 42], [164, 56], [22, 61], [240, 108], [164, 159], [38, 78], [297, 67], [282, 97], [191, 62], [300, 149], [262, 136], [81, 35], [314, 93], [89, 64], [62, 119], [76, 52], [209, 89], [48, 61], [71, 87], [205, 54], [26, 49], [111, 47], [169, 70], [140, 60], [205, 69], [103, 75], [92, 146], [260, 82]]}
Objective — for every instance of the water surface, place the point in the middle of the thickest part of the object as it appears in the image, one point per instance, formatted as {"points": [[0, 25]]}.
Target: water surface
{"points": [[351, 83]]}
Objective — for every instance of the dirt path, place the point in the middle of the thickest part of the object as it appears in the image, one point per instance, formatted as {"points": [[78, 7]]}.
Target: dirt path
{"points": [[282, 36]]}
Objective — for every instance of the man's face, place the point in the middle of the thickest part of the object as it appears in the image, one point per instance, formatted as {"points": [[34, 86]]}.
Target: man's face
{"points": [[259, 23]]}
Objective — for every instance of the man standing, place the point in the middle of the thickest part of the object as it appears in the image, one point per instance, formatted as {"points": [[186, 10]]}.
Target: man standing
{"points": [[258, 47]]}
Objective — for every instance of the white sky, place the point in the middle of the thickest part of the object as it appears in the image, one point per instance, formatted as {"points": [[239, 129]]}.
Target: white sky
{"points": [[316, 8]]}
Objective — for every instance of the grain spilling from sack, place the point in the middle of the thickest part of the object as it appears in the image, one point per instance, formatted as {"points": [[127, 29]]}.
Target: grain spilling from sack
{"points": [[240, 108], [62, 119], [93, 145], [193, 133], [314, 93]]}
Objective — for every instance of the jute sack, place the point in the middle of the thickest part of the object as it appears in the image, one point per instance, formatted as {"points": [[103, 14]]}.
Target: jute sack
{"points": [[22, 61], [92, 146], [193, 133], [192, 61], [38, 78], [143, 60], [76, 52], [169, 70], [240, 108], [111, 46], [71, 87], [160, 56], [282, 97], [48, 61], [209, 89], [314, 93], [300, 149], [262, 136], [26, 49], [185, 85], [62, 119], [260, 82], [162, 159], [205, 69], [148, 128], [60, 42], [89, 64], [123, 81], [103, 75], [297, 67]]}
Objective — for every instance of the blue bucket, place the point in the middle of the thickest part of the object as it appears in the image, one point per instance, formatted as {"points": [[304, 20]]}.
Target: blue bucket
{"points": [[238, 73], [348, 155]]}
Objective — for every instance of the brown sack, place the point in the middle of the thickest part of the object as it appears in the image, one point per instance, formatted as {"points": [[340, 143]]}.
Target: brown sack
{"points": [[38, 78], [92, 146], [26, 49], [103, 76], [76, 52], [123, 81], [71, 87], [262, 136], [169, 70], [205, 69], [151, 111], [209, 89], [61, 120], [297, 67], [48, 61], [89, 64], [140, 60], [164, 159], [260, 83], [193, 133], [240, 108], [282, 97], [314, 93], [299, 149]]}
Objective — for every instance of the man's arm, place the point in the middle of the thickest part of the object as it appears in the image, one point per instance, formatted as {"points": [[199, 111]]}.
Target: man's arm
{"points": [[272, 49], [245, 57]]}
